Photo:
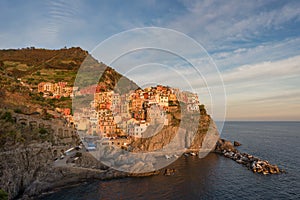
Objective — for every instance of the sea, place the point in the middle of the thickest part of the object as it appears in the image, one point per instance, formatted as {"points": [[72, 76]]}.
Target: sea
{"points": [[213, 177]]}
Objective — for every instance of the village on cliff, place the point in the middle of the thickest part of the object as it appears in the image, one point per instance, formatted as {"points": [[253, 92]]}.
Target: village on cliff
{"points": [[118, 119]]}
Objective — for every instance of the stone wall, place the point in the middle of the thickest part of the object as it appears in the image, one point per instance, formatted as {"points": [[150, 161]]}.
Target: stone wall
{"points": [[63, 133]]}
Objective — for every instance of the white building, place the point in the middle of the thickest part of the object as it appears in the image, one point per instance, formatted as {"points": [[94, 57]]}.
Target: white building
{"points": [[139, 129], [155, 114], [193, 107], [163, 100]]}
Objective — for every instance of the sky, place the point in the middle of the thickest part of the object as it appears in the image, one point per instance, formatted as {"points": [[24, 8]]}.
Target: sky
{"points": [[254, 44]]}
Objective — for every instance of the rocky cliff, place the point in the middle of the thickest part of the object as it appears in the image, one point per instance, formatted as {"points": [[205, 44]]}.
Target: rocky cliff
{"points": [[198, 132], [161, 145], [27, 171]]}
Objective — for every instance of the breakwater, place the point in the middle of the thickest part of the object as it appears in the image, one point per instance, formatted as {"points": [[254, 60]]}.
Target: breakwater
{"points": [[255, 164]]}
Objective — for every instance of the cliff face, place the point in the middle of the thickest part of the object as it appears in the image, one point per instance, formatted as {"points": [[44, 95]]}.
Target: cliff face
{"points": [[24, 167], [192, 137], [160, 150], [27, 171], [27, 152]]}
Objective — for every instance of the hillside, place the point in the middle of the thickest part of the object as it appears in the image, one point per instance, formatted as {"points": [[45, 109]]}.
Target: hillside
{"points": [[21, 70]]}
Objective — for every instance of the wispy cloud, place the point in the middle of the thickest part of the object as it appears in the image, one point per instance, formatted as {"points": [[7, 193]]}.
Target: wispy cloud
{"points": [[267, 70], [269, 51], [266, 91], [225, 25]]}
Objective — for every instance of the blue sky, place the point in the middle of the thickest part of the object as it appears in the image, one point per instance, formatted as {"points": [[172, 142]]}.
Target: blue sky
{"points": [[255, 44]]}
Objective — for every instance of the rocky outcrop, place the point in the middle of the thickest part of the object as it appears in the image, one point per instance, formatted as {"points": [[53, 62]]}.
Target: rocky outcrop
{"points": [[189, 137], [88, 161], [169, 172], [236, 143], [24, 167], [223, 144], [227, 149], [27, 171]]}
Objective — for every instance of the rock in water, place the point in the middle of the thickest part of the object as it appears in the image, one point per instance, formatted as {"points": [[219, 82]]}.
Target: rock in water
{"points": [[169, 172], [224, 145], [257, 165], [236, 144]]}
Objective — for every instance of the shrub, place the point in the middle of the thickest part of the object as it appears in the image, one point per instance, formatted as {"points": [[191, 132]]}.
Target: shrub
{"points": [[7, 117], [44, 134], [47, 116], [43, 131], [18, 110], [78, 154], [3, 195], [201, 107]]}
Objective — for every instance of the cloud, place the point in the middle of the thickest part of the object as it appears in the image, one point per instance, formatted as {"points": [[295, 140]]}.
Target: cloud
{"points": [[264, 91], [269, 51], [283, 68], [218, 26], [226, 25]]}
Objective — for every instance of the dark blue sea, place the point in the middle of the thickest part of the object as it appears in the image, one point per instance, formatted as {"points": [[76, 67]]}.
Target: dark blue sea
{"points": [[213, 177]]}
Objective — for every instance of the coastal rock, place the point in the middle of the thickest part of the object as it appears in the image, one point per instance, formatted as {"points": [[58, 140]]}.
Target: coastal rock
{"points": [[169, 172], [224, 145], [176, 136], [153, 173], [253, 163], [236, 144]]}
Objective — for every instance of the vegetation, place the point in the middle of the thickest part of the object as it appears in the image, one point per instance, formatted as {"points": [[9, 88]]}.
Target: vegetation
{"points": [[78, 154], [12, 133], [43, 58], [21, 69], [3, 195], [7, 117], [18, 110], [202, 109]]}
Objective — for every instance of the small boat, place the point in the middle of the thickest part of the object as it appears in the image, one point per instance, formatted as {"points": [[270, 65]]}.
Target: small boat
{"points": [[193, 154]]}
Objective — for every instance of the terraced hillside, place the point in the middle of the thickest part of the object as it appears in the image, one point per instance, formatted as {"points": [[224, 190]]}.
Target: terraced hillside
{"points": [[22, 69]]}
